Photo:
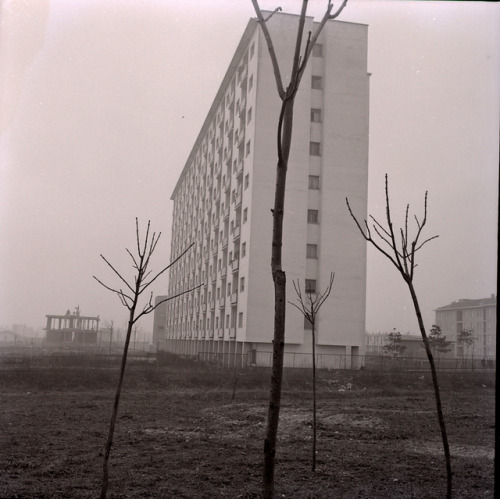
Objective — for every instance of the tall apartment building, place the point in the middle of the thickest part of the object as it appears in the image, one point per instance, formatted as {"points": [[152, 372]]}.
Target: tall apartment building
{"points": [[223, 200], [478, 316]]}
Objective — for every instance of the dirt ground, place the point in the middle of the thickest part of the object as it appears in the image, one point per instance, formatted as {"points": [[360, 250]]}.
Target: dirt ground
{"points": [[192, 431]]}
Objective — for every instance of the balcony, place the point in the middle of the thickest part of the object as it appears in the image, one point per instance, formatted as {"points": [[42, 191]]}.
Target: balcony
{"points": [[222, 302], [232, 333], [235, 264], [234, 298], [237, 198], [238, 168], [212, 304], [223, 272], [239, 137], [210, 333], [236, 232], [224, 242], [220, 333]]}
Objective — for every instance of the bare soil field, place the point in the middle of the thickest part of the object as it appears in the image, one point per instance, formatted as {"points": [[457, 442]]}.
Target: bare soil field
{"points": [[187, 430]]}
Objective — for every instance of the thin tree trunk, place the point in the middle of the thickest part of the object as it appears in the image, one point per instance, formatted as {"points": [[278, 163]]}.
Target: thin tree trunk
{"points": [[107, 452], [279, 278], [437, 395], [314, 395]]}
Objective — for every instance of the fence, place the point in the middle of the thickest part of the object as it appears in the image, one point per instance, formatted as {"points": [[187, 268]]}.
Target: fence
{"points": [[37, 357], [338, 361], [69, 359]]}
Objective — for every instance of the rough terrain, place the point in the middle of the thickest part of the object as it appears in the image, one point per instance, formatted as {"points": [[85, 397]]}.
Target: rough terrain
{"points": [[194, 431]]}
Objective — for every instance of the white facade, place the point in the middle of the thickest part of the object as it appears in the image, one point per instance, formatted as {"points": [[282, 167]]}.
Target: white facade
{"points": [[476, 316], [224, 196]]}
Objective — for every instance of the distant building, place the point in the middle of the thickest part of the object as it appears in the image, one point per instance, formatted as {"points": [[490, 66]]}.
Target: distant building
{"points": [[72, 328], [413, 344], [159, 320], [479, 316], [11, 338], [225, 193]]}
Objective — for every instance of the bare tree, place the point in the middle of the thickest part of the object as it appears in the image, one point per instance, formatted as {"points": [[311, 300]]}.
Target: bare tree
{"points": [[402, 256], [284, 139], [309, 306], [129, 295]]}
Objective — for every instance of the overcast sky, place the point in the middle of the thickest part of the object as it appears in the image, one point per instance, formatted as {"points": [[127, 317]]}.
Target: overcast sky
{"points": [[101, 102]]}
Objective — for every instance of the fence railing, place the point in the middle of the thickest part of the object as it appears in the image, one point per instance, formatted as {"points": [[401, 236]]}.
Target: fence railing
{"points": [[70, 359], [255, 358], [34, 357]]}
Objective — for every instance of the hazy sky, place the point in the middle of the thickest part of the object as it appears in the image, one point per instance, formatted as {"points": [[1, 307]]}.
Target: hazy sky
{"points": [[101, 101]]}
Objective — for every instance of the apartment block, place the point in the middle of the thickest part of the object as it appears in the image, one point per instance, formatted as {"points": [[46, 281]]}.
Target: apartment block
{"points": [[222, 203], [478, 316]]}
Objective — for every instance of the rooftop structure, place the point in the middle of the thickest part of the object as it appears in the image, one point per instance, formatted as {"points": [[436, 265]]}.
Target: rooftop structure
{"points": [[72, 328]]}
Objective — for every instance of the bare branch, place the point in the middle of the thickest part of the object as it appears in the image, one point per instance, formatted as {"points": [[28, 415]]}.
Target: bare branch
{"points": [[118, 292], [322, 297], [135, 266], [137, 238], [270, 46], [146, 285], [425, 242], [339, 10], [301, 309], [277, 9], [294, 83], [403, 259], [368, 236], [379, 234], [168, 299], [117, 273], [326, 17]]}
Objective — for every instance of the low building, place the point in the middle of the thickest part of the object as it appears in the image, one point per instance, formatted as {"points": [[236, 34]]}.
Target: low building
{"points": [[11, 338], [72, 328], [412, 343], [160, 319], [478, 317]]}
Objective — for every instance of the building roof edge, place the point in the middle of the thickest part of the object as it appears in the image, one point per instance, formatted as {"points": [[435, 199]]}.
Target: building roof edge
{"points": [[247, 34]]}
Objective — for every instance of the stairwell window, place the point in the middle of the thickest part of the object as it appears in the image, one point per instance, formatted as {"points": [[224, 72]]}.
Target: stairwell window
{"points": [[317, 82], [316, 115], [314, 148], [318, 50], [312, 251], [312, 216], [314, 182], [310, 285]]}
